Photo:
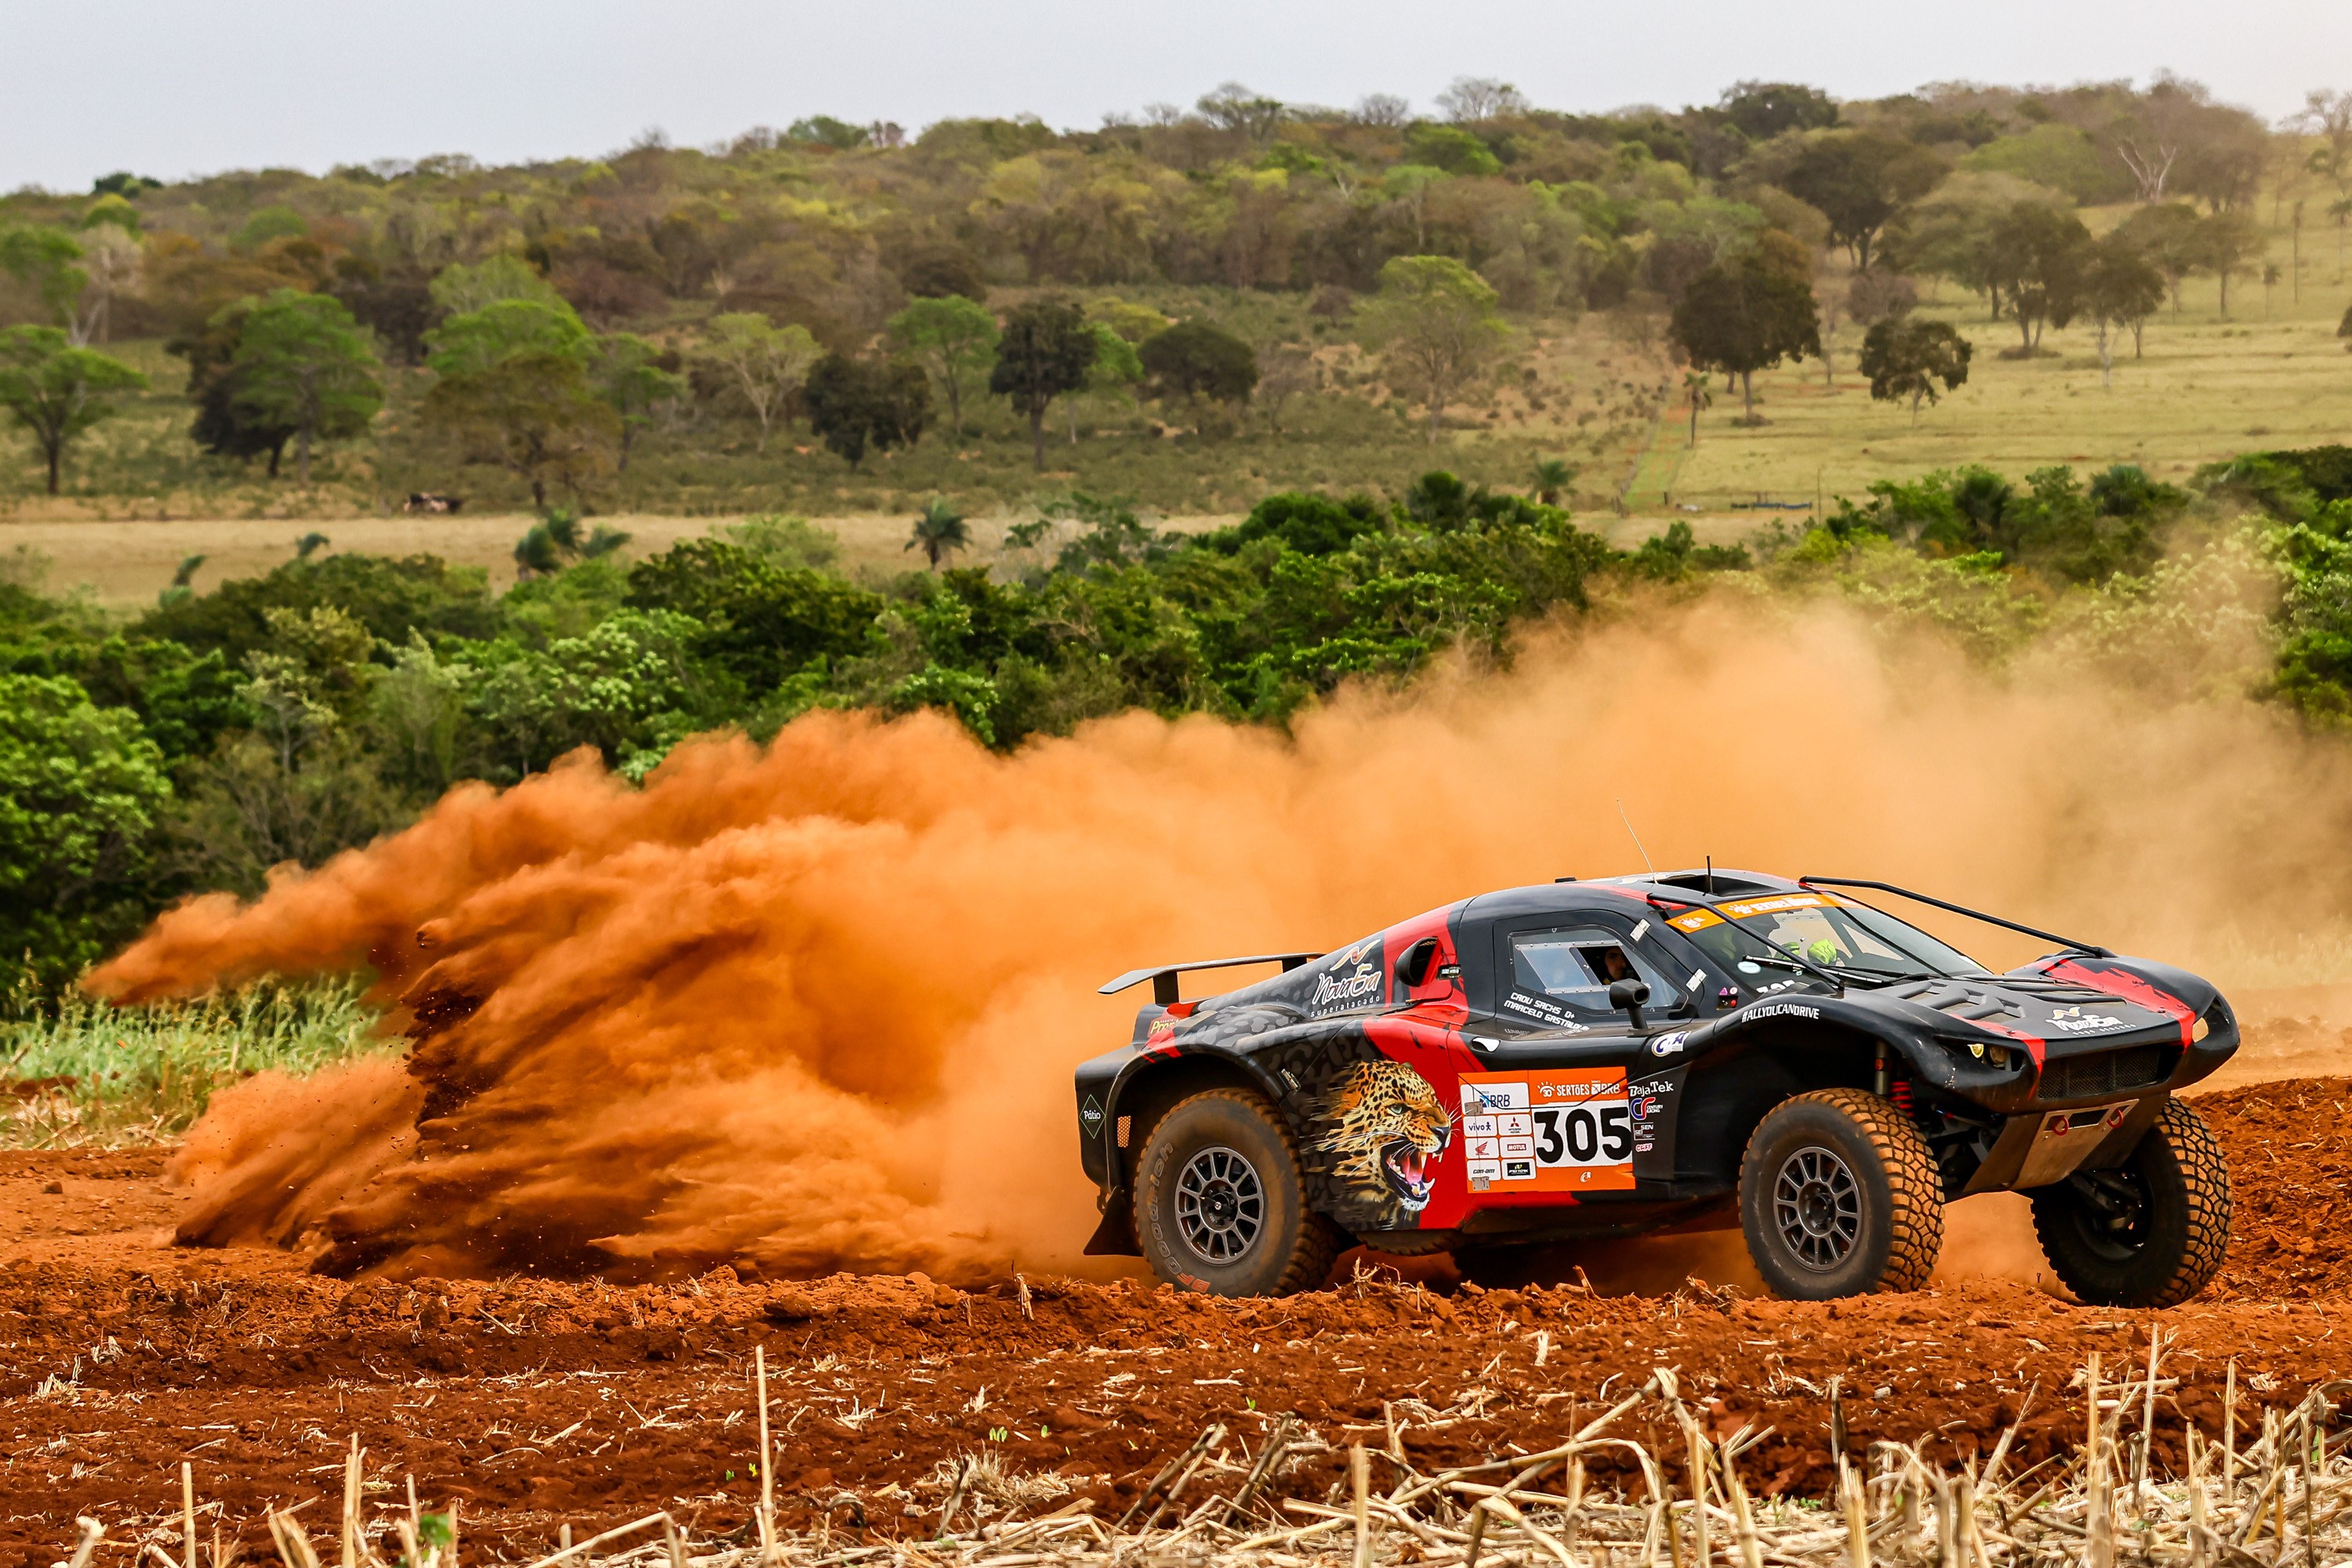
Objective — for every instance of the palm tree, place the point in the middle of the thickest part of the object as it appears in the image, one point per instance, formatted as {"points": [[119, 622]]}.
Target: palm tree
{"points": [[1551, 477], [1695, 384], [940, 531]]}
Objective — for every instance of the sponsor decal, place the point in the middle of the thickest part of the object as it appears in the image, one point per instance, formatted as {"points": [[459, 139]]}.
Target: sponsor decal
{"points": [[1784, 1010], [1565, 1130], [1696, 921], [2075, 1021], [1653, 1086], [1544, 1010], [1479, 1127], [1353, 981], [1642, 927], [1163, 1029], [1090, 1116], [1669, 1045], [1746, 909]]}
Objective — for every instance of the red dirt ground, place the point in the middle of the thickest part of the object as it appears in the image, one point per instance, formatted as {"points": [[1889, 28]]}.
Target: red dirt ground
{"points": [[542, 1403]]}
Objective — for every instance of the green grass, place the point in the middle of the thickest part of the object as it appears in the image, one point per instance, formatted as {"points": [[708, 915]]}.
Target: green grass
{"points": [[2207, 388], [92, 1073]]}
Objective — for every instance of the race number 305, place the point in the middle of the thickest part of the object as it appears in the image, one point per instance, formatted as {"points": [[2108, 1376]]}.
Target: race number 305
{"points": [[1566, 1130]]}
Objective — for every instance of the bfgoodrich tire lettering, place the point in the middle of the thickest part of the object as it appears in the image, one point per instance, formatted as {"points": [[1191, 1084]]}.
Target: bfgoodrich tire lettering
{"points": [[1839, 1195], [2149, 1233], [1219, 1205]]}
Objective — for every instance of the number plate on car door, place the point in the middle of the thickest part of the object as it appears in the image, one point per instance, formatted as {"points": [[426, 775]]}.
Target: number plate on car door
{"points": [[1566, 1130]]}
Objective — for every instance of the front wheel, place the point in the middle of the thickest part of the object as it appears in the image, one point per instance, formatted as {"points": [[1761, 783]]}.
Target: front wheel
{"points": [[1839, 1195], [2149, 1232], [1220, 1205]]}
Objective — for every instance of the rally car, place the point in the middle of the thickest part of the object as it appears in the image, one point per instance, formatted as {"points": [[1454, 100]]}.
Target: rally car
{"points": [[1671, 1051]]}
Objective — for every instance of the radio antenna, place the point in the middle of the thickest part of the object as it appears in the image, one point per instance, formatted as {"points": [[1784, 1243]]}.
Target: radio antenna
{"points": [[1635, 837], [1711, 876]]}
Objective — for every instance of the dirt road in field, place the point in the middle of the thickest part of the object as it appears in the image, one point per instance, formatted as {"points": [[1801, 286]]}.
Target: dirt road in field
{"points": [[540, 1404]]}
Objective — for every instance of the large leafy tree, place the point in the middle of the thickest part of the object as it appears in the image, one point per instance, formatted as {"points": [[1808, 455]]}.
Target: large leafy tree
{"points": [[1860, 180], [857, 404], [514, 389], [1046, 351], [2035, 258], [952, 337], [1904, 358], [1437, 326], [1201, 359], [1747, 313], [81, 788], [761, 362], [56, 392], [2120, 287], [225, 426], [304, 364]]}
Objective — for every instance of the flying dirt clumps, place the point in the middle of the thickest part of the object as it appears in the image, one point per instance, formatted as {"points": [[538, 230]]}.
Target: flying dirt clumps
{"points": [[813, 1006]]}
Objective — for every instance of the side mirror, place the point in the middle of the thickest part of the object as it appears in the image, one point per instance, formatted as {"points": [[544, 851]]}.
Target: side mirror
{"points": [[1629, 995], [1412, 969]]}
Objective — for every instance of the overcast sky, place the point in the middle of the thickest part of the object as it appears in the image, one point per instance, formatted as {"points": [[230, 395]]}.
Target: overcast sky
{"points": [[170, 87]]}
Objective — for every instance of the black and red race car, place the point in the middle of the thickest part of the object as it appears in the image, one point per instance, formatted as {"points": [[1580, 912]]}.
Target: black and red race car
{"points": [[1672, 1051]]}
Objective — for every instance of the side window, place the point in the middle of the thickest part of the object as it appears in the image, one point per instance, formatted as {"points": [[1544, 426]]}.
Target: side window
{"points": [[1563, 975]]}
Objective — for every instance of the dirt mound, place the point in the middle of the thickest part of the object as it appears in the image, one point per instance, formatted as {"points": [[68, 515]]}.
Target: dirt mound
{"points": [[2289, 1144]]}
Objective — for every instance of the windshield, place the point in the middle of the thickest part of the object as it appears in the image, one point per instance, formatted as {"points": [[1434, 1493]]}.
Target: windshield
{"points": [[1760, 936]]}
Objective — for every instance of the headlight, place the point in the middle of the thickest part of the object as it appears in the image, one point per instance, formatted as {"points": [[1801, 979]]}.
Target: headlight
{"points": [[2199, 1030]]}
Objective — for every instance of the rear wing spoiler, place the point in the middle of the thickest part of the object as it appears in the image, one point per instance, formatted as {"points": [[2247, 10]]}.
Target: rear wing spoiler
{"points": [[1163, 976]]}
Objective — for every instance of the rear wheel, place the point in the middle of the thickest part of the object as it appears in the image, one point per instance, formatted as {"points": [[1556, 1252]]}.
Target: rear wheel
{"points": [[1220, 1205], [2151, 1231], [1840, 1195]]}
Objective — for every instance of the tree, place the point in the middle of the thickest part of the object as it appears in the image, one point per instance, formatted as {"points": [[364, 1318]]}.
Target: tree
{"points": [[1698, 387], [1904, 358], [2168, 234], [461, 290], [952, 337], [631, 374], [2035, 258], [2120, 287], [47, 261], [1198, 359], [532, 414], [765, 364], [1046, 351], [82, 790], [1552, 476], [937, 271], [1436, 326], [940, 531], [2224, 244], [1761, 110], [855, 403], [2328, 116], [555, 542], [1744, 314], [224, 425], [56, 392], [1860, 180], [504, 329], [1473, 100], [304, 364]]}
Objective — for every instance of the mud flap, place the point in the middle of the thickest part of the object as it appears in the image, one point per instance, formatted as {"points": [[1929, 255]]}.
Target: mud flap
{"points": [[1115, 1237]]}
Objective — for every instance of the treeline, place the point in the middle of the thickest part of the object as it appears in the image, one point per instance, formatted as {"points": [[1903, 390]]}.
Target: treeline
{"points": [[285, 717], [662, 286]]}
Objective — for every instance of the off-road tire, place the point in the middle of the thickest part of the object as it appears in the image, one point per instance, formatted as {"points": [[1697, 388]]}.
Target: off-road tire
{"points": [[2184, 1184], [1290, 1248], [1887, 1203]]}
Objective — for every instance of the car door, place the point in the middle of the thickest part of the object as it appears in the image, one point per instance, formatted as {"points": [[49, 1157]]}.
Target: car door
{"points": [[1550, 1111]]}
